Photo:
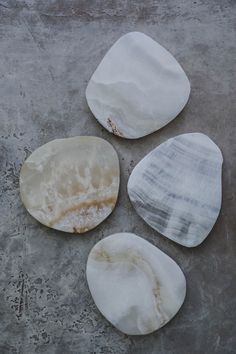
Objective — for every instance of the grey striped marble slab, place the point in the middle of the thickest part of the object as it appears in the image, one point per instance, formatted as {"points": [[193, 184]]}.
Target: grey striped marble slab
{"points": [[176, 188]]}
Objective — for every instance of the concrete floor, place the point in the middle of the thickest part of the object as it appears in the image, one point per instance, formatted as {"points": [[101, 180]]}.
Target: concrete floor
{"points": [[48, 52]]}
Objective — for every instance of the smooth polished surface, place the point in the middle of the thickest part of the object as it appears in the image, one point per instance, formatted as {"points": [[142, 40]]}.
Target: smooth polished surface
{"points": [[176, 188], [71, 184], [48, 53], [137, 88], [137, 287]]}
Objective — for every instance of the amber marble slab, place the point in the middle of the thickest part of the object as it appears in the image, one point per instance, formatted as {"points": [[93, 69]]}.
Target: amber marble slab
{"points": [[71, 184]]}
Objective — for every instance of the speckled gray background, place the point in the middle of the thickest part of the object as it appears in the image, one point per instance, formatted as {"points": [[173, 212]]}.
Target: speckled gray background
{"points": [[48, 52]]}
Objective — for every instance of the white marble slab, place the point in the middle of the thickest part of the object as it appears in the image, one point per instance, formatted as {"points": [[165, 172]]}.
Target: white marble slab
{"points": [[71, 184], [137, 287], [176, 188], [137, 88]]}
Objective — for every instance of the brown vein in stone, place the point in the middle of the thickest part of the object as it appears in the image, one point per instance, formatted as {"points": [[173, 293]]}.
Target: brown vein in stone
{"points": [[101, 255], [114, 128], [84, 207]]}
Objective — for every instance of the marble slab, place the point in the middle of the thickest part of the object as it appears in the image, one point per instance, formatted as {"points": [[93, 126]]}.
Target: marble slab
{"points": [[136, 286], [137, 88], [176, 188], [71, 184]]}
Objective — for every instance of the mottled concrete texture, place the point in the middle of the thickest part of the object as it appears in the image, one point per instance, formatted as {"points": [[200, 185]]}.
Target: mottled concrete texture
{"points": [[48, 52]]}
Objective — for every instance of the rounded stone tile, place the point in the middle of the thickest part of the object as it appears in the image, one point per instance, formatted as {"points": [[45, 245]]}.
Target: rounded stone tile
{"points": [[176, 188], [137, 88], [136, 286], [71, 184]]}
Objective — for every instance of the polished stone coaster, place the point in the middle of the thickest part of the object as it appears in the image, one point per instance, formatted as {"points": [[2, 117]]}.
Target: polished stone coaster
{"points": [[176, 188], [138, 87], [136, 286], [71, 184]]}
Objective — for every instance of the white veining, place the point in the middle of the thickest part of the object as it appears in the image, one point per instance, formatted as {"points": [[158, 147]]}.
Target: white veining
{"points": [[137, 287], [137, 88], [176, 188], [71, 184]]}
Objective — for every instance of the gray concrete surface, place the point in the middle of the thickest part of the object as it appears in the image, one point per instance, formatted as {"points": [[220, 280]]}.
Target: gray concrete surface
{"points": [[48, 51]]}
